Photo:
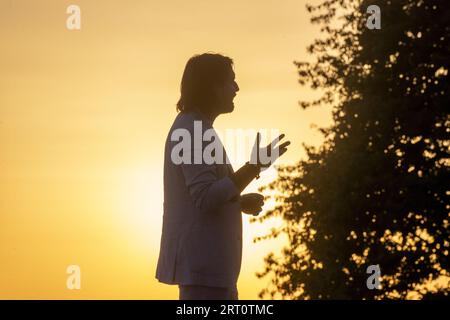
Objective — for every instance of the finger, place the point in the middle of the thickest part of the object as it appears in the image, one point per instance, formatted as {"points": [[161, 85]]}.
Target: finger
{"points": [[256, 195], [281, 152], [254, 205], [276, 140], [284, 145], [257, 212], [282, 148], [257, 199], [260, 197], [258, 142], [257, 203], [254, 211], [278, 151]]}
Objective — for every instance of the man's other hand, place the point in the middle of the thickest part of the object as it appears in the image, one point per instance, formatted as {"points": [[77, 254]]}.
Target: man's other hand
{"points": [[251, 203]]}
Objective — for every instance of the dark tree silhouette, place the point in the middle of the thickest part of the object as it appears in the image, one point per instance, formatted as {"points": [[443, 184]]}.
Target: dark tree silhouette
{"points": [[376, 191]]}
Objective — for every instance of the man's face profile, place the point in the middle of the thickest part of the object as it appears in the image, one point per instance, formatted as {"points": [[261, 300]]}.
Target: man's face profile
{"points": [[226, 92]]}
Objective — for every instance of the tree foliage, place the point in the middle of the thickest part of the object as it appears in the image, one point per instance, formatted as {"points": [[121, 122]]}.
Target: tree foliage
{"points": [[376, 191]]}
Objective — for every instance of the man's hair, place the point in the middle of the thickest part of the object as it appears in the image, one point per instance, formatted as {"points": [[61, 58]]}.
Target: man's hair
{"points": [[202, 73]]}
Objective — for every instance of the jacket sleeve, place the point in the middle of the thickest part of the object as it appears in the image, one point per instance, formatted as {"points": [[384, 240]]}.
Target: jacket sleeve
{"points": [[206, 189]]}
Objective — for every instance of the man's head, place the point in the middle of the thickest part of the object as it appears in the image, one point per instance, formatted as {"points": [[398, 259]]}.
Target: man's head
{"points": [[208, 84]]}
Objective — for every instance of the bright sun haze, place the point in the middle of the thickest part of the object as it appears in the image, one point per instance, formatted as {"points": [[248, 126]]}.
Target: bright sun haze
{"points": [[83, 119]]}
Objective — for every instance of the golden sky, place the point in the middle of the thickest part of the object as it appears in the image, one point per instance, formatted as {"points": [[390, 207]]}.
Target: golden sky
{"points": [[83, 119]]}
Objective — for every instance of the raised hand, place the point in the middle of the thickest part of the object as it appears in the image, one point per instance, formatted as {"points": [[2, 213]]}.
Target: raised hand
{"points": [[264, 157]]}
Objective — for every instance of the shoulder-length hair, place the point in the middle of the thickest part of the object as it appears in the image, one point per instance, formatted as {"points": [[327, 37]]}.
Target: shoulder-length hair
{"points": [[202, 73]]}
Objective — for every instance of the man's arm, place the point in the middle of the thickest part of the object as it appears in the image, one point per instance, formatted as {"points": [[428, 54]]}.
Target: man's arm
{"points": [[207, 191], [245, 175]]}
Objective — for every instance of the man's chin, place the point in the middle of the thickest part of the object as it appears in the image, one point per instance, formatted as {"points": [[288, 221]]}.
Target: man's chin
{"points": [[230, 108], [227, 108]]}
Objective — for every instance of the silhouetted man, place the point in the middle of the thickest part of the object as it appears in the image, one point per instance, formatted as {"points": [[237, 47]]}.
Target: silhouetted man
{"points": [[201, 242]]}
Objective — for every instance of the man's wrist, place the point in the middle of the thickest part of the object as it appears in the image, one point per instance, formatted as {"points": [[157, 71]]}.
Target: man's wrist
{"points": [[256, 168]]}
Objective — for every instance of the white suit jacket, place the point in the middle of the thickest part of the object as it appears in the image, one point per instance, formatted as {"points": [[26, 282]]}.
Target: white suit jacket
{"points": [[201, 241]]}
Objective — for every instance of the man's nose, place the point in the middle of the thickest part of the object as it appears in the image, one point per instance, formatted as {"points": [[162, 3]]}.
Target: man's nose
{"points": [[236, 87]]}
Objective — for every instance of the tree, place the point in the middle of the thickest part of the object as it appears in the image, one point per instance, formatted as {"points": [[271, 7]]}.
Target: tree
{"points": [[376, 191]]}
